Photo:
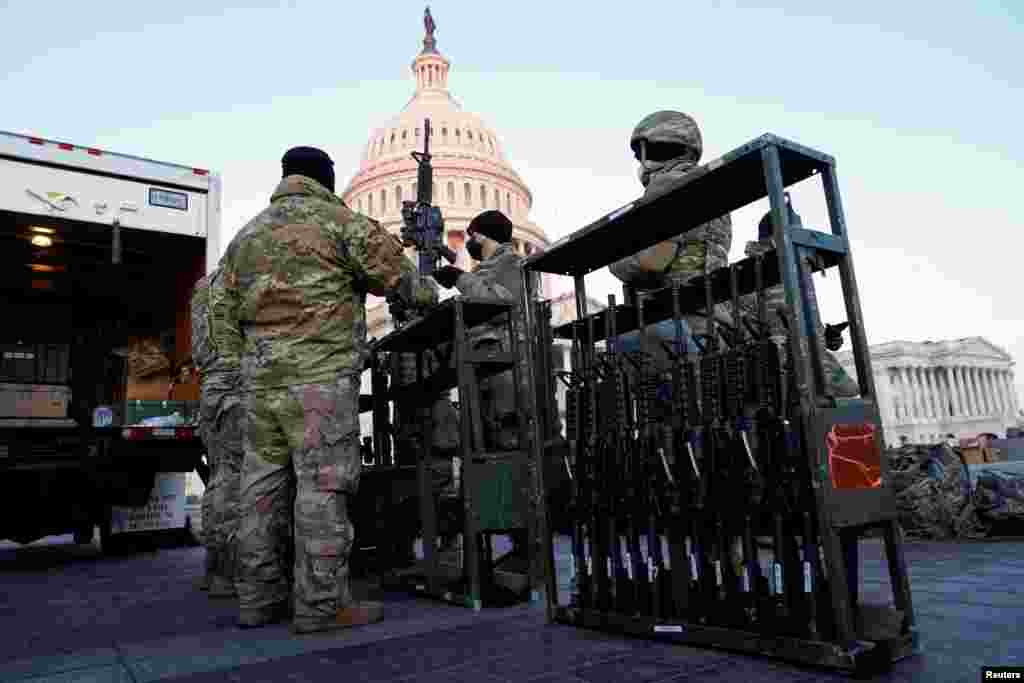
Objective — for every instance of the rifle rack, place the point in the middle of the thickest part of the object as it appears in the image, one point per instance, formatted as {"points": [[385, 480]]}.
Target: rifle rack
{"points": [[495, 486], [763, 167]]}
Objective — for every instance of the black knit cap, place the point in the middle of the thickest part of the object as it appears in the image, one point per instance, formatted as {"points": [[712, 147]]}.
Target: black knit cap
{"points": [[310, 162], [493, 224]]}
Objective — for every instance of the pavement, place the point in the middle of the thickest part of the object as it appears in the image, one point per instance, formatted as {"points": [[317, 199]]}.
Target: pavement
{"points": [[68, 614]]}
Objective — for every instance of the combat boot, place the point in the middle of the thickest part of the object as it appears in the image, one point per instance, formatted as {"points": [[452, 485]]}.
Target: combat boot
{"points": [[255, 617], [356, 614]]}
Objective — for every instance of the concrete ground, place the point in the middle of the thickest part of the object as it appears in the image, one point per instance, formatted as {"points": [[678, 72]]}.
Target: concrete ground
{"points": [[68, 614]]}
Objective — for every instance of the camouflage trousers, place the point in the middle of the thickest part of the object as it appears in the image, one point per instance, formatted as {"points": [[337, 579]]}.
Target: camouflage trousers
{"points": [[301, 465], [221, 431]]}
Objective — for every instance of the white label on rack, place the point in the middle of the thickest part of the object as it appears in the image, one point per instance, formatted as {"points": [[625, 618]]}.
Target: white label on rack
{"points": [[807, 577], [746, 580], [718, 572], [610, 572], [668, 629], [778, 579], [823, 564], [651, 569], [572, 565], [590, 566], [629, 565], [666, 558], [693, 568]]}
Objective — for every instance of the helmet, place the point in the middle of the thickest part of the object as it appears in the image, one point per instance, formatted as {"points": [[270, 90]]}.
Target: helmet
{"points": [[672, 133]]}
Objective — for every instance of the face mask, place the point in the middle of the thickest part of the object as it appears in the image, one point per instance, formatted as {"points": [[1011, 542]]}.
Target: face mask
{"points": [[475, 250], [647, 169]]}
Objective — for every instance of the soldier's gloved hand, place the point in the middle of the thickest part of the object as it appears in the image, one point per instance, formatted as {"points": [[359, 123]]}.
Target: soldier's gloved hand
{"points": [[834, 336], [447, 276]]}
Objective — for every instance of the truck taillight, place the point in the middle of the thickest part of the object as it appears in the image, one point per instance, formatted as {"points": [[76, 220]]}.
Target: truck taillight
{"points": [[36, 141], [65, 146], [184, 433], [133, 434], [200, 171]]}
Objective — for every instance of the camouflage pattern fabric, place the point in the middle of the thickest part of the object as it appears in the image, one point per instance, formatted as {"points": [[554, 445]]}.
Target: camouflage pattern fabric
{"points": [[292, 316], [309, 432], [999, 494], [933, 496], [838, 382], [498, 278], [296, 279], [220, 430], [685, 256]]}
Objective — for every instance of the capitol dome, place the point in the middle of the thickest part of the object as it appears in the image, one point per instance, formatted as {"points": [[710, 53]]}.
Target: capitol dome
{"points": [[471, 172]]}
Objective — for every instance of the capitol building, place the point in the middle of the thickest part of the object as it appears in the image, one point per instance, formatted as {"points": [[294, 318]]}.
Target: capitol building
{"points": [[471, 171]]}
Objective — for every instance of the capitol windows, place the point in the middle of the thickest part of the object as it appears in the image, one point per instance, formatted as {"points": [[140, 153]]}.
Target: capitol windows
{"points": [[444, 134], [398, 196], [383, 201], [392, 140], [369, 206], [458, 135], [417, 136], [497, 199], [468, 193], [451, 193], [405, 136], [414, 187], [469, 135], [483, 197], [508, 202]]}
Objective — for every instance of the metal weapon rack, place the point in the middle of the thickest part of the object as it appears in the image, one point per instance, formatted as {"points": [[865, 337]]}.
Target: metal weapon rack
{"points": [[491, 490], [665, 541]]}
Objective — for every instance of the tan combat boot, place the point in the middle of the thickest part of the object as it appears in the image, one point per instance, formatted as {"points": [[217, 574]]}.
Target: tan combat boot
{"points": [[356, 614]]}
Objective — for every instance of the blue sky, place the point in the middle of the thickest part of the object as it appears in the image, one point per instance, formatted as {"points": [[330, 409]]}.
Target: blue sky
{"points": [[919, 102]]}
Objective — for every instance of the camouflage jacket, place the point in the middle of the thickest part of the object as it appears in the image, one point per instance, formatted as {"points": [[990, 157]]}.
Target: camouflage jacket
{"points": [[217, 374], [690, 254], [498, 278], [295, 284]]}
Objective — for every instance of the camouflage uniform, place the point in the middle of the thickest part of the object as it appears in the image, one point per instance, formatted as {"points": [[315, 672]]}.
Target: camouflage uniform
{"points": [[295, 284], [838, 382], [498, 278], [220, 427], [685, 256]]}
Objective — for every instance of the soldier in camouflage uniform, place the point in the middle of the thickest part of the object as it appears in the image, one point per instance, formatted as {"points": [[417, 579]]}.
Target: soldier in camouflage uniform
{"points": [[668, 145], [838, 382], [498, 278], [295, 284], [221, 414]]}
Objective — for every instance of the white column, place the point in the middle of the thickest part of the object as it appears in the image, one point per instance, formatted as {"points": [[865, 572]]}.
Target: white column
{"points": [[940, 374], [965, 396], [958, 404], [929, 390], [901, 391], [915, 393], [979, 406], [1001, 381], [1011, 392], [986, 406], [997, 395], [972, 408]]}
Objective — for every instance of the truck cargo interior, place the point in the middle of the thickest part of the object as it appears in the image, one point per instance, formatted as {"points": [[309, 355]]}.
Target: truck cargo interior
{"points": [[59, 285], [69, 315]]}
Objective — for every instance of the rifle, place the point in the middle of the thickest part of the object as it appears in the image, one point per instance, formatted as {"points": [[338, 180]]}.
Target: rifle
{"points": [[747, 473], [578, 419], [657, 584], [601, 566], [711, 407], [422, 225], [625, 551]]}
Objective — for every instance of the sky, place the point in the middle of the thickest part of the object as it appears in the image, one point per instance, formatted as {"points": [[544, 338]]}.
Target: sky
{"points": [[919, 102]]}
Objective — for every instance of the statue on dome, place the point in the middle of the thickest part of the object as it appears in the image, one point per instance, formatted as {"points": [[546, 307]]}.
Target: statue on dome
{"points": [[428, 22]]}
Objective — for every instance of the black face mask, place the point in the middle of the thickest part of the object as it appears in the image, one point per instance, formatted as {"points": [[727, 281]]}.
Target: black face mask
{"points": [[475, 250]]}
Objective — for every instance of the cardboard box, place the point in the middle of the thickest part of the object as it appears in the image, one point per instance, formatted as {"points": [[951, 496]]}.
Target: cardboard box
{"points": [[34, 401], [973, 455]]}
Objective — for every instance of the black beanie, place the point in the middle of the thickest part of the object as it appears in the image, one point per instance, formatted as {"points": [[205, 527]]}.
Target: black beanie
{"points": [[310, 162], [493, 224]]}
